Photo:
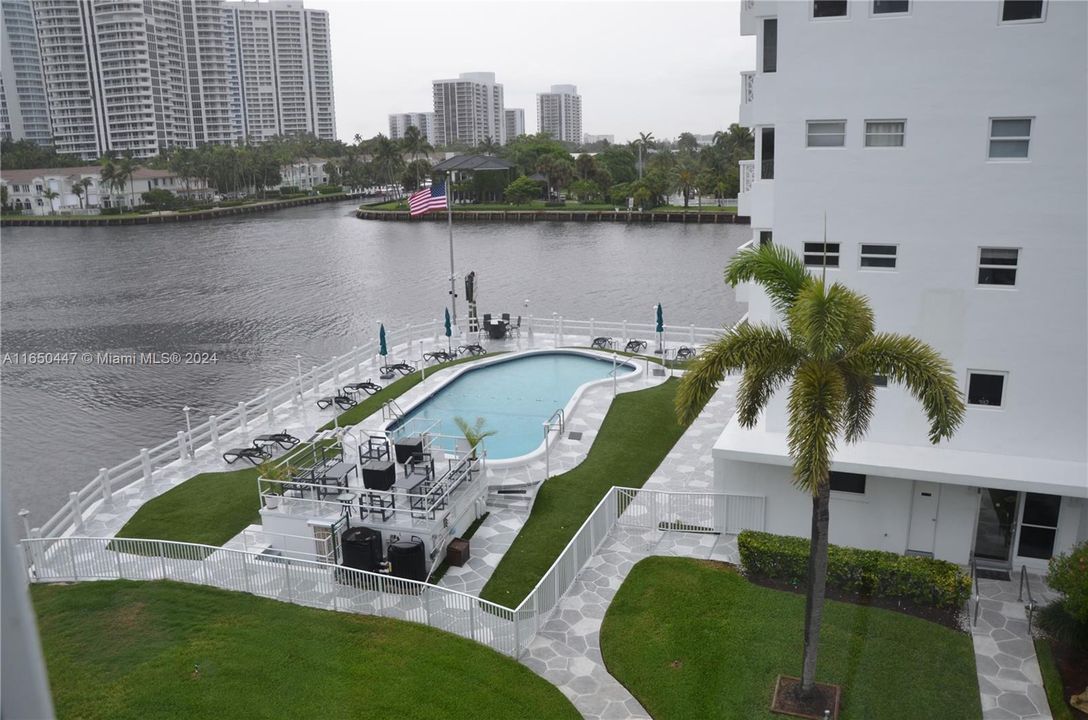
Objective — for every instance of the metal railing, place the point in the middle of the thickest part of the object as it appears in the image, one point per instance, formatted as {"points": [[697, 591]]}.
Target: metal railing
{"points": [[557, 421], [977, 594], [1025, 582]]}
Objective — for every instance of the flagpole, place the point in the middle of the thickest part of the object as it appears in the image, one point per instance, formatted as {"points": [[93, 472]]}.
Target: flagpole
{"points": [[449, 220]]}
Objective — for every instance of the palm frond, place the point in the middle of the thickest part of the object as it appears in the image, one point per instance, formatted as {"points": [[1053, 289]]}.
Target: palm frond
{"points": [[746, 345], [776, 268], [829, 320], [860, 401], [816, 406], [925, 373]]}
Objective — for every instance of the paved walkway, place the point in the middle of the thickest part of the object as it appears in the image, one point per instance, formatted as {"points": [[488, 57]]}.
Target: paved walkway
{"points": [[1009, 680]]}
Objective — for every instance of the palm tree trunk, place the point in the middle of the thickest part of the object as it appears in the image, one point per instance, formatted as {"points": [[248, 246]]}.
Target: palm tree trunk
{"points": [[817, 585]]}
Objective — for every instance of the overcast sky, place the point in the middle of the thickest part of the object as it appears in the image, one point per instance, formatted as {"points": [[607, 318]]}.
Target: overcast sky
{"points": [[663, 67]]}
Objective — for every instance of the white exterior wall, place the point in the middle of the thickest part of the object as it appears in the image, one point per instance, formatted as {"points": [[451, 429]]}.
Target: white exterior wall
{"points": [[399, 122], [515, 123], [559, 113], [468, 109]]}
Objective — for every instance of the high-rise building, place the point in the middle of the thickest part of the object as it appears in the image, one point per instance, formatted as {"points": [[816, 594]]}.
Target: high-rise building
{"points": [[399, 122], [559, 113], [280, 58], [468, 109], [515, 122], [24, 106], [1001, 293], [589, 139]]}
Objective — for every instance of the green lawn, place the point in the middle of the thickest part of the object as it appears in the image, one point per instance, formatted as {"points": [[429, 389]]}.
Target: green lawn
{"points": [[1052, 681], [123, 649], [693, 639], [539, 205], [638, 432]]}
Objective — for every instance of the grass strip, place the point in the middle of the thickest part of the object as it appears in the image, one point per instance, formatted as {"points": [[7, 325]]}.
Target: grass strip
{"points": [[122, 650], [636, 435], [1052, 681], [694, 639]]}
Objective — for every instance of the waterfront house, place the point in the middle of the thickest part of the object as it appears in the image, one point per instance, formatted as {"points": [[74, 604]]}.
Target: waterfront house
{"points": [[477, 178], [953, 186], [305, 174], [27, 188]]}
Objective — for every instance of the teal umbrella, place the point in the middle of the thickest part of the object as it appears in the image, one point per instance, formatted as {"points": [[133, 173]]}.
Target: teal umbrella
{"points": [[660, 330], [382, 349], [449, 331]]}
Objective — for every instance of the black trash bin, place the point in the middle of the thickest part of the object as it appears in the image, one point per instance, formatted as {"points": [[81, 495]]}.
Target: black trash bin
{"points": [[408, 559]]}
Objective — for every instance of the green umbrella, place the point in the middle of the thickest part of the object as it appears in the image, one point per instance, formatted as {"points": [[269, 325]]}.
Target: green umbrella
{"points": [[660, 319], [382, 349], [449, 331]]}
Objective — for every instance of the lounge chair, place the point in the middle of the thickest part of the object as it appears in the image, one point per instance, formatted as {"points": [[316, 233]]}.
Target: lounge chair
{"points": [[438, 356], [402, 368], [342, 401], [255, 455], [685, 353], [283, 439], [472, 349], [601, 343], [635, 346], [368, 387]]}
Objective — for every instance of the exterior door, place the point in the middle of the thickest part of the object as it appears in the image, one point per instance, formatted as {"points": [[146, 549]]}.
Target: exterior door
{"points": [[996, 526], [923, 517]]}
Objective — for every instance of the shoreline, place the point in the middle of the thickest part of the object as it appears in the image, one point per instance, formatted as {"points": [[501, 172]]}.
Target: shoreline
{"points": [[516, 216], [199, 215]]}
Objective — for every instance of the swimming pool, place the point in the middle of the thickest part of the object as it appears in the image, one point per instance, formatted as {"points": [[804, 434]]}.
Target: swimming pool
{"points": [[515, 396]]}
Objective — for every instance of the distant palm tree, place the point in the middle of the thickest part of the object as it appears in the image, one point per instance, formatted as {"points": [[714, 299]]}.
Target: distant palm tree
{"points": [[488, 146], [645, 141], [51, 195], [415, 144], [829, 353], [125, 168], [388, 159]]}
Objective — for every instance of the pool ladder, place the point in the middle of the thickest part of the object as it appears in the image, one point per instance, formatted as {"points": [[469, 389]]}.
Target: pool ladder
{"points": [[557, 421], [391, 410]]}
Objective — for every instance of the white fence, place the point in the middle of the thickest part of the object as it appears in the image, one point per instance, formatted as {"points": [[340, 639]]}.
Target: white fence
{"points": [[401, 343], [334, 587]]}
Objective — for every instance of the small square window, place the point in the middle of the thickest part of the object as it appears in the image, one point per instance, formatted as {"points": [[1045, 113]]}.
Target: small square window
{"points": [[822, 255], [1009, 138], [985, 389], [997, 266], [880, 380], [847, 482], [826, 133], [884, 133], [878, 256], [1022, 10], [829, 8], [890, 7], [766, 237]]}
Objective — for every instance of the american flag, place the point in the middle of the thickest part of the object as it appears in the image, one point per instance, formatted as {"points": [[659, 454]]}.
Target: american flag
{"points": [[427, 199]]}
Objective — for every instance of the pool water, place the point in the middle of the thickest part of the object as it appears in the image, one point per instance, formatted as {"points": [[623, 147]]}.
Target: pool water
{"points": [[515, 397]]}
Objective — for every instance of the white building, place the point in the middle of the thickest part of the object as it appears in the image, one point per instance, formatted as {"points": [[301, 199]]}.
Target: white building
{"points": [[305, 174], [24, 107], [27, 188], [400, 122], [281, 69], [515, 122], [559, 113], [954, 182], [468, 109], [589, 139]]}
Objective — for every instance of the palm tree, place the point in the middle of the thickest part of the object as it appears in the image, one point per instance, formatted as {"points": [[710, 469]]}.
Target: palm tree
{"points": [[488, 146], [686, 178], [645, 140], [388, 158], [474, 434], [415, 144], [125, 168], [107, 174], [829, 352], [51, 195]]}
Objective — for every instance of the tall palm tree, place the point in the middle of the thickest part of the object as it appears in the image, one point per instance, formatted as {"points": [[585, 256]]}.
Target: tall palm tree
{"points": [[829, 352], [51, 195], [415, 144], [488, 146], [126, 168], [645, 141], [107, 174], [388, 159]]}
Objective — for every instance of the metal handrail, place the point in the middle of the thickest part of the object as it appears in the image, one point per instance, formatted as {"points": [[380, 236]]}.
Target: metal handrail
{"points": [[1025, 581], [562, 420], [974, 583]]}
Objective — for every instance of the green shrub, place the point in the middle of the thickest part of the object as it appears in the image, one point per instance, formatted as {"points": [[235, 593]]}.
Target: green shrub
{"points": [[328, 189], [868, 573], [110, 211], [1067, 617], [289, 190]]}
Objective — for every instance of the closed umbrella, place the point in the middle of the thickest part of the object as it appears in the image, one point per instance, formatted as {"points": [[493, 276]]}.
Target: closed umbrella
{"points": [[660, 330], [449, 331], [383, 350]]}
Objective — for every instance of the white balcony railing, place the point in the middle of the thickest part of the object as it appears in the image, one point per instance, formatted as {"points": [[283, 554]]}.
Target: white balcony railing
{"points": [[747, 175], [748, 87]]}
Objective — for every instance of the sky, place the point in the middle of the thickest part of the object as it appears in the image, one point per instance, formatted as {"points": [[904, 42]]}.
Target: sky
{"points": [[663, 67]]}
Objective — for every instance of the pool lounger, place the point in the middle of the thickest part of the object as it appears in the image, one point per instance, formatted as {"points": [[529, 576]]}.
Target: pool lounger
{"points": [[368, 387], [685, 353], [438, 356], [342, 401], [283, 439], [602, 343], [635, 346], [473, 349], [402, 368], [254, 455]]}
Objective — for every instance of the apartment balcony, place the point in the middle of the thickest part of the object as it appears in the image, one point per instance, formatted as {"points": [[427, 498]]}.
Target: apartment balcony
{"points": [[756, 196], [752, 11], [757, 98]]}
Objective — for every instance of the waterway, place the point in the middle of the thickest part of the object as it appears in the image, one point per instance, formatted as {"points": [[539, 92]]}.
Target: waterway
{"points": [[254, 291]]}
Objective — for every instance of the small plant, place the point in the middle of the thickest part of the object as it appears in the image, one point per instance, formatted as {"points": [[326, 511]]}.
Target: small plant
{"points": [[474, 434], [273, 476], [1067, 617]]}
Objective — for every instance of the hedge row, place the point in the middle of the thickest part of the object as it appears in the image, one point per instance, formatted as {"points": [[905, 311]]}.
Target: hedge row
{"points": [[868, 573]]}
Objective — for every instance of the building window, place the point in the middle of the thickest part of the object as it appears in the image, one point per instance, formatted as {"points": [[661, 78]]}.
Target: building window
{"points": [[826, 133], [845, 482], [766, 237], [884, 133], [997, 266], [1039, 525], [1022, 10], [822, 255], [985, 388], [1009, 138], [880, 380], [829, 8], [891, 7], [878, 256], [770, 45]]}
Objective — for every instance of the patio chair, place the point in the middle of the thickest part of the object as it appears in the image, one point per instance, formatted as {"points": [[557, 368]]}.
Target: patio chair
{"points": [[635, 346], [472, 349], [438, 356], [368, 387], [283, 439], [601, 343], [255, 455], [514, 328], [685, 353], [487, 320], [342, 401], [506, 318], [403, 368]]}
